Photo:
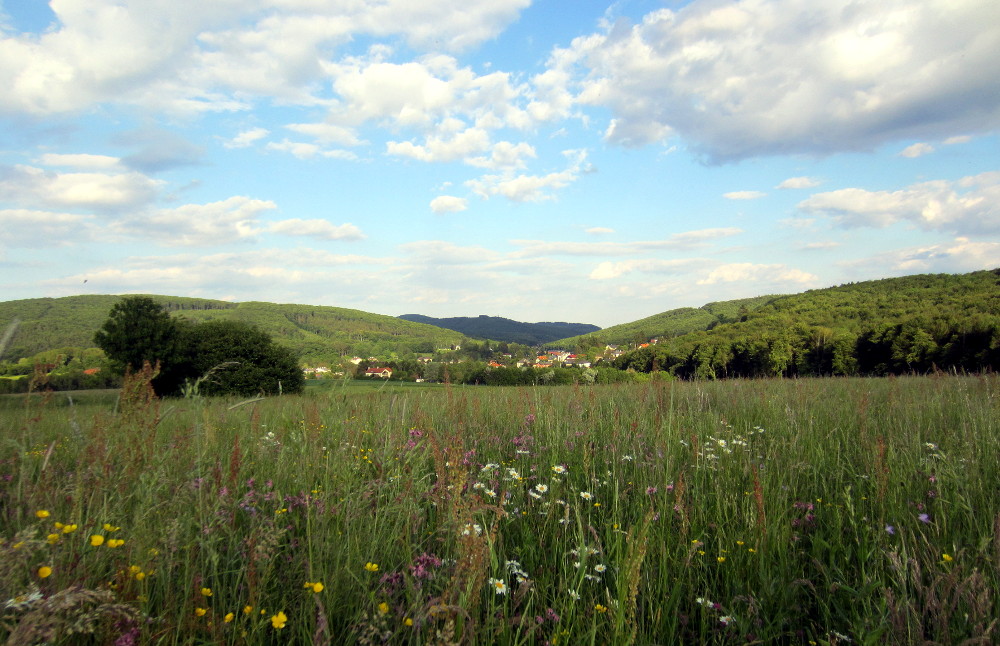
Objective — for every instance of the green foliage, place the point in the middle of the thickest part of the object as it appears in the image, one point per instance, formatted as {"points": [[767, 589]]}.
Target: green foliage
{"points": [[739, 512], [235, 357], [502, 329]]}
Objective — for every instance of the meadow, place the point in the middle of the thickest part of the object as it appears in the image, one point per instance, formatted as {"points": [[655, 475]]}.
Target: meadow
{"points": [[812, 511]]}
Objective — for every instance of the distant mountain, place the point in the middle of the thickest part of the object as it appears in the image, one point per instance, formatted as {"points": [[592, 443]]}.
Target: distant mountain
{"points": [[497, 328], [317, 333]]}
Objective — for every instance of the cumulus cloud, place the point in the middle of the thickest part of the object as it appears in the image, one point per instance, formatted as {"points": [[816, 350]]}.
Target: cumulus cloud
{"points": [[247, 138], [303, 150], [958, 256], [449, 204], [158, 150], [233, 219], [746, 272], [316, 228], [608, 270], [30, 186], [530, 188], [798, 182], [741, 79], [968, 206], [687, 240], [81, 161], [744, 195], [916, 150], [41, 229]]}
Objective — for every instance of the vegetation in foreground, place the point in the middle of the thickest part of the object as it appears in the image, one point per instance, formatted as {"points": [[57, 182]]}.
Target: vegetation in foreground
{"points": [[788, 511]]}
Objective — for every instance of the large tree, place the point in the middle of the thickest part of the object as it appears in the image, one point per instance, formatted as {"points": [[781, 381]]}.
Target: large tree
{"points": [[234, 357], [138, 330]]}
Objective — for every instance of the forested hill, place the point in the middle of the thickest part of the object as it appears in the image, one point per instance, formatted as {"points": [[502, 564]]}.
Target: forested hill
{"points": [[667, 324], [893, 326], [498, 328], [315, 332]]}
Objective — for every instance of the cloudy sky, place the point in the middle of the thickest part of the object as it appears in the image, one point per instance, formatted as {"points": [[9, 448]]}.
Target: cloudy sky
{"points": [[572, 160]]}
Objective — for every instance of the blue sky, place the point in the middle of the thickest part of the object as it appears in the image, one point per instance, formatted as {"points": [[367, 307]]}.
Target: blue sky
{"points": [[550, 160]]}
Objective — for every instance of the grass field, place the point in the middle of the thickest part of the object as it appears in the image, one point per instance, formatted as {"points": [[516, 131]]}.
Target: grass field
{"points": [[826, 511]]}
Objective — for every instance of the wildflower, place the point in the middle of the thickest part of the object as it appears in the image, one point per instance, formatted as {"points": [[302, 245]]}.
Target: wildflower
{"points": [[946, 558], [574, 595], [42, 513], [383, 608], [96, 540], [498, 586], [278, 620], [206, 592], [44, 572], [721, 559], [317, 587], [559, 469], [890, 530], [407, 622], [115, 542], [751, 550], [108, 527], [371, 567], [69, 529], [541, 488], [139, 576], [700, 601], [52, 539], [134, 569], [924, 518], [725, 620], [599, 608], [600, 567], [247, 610], [200, 612], [586, 495], [229, 617]]}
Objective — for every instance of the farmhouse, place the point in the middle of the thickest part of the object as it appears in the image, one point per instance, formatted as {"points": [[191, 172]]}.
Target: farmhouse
{"points": [[375, 371]]}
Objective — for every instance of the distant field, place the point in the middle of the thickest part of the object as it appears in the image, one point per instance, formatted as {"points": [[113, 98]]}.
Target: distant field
{"points": [[822, 511]]}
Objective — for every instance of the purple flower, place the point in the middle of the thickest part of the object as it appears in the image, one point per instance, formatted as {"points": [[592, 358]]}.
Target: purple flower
{"points": [[924, 518], [890, 530]]}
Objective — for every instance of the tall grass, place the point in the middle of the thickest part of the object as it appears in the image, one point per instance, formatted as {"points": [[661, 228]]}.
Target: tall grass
{"points": [[811, 511]]}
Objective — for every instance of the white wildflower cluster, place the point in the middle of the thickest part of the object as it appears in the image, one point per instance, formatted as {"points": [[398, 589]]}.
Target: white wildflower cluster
{"points": [[583, 554], [933, 452], [472, 528], [517, 572], [23, 601], [268, 440]]}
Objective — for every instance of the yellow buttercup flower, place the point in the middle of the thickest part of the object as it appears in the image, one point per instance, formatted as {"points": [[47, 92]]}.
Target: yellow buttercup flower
{"points": [[947, 558], [52, 539], [278, 620], [383, 608], [69, 529], [599, 608], [317, 587], [200, 612], [96, 540], [371, 567], [44, 572], [108, 527], [42, 513], [115, 542], [229, 617], [247, 610], [407, 622], [206, 592]]}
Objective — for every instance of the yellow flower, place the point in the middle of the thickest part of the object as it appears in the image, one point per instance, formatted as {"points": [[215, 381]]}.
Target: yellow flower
{"points": [[115, 542], [371, 567], [317, 587], [229, 617], [278, 620], [44, 572], [407, 622], [200, 612], [247, 610], [383, 608], [18, 545], [96, 540], [721, 559], [740, 543], [206, 592], [599, 608], [69, 529], [946, 558], [42, 513], [139, 576], [108, 527], [52, 539]]}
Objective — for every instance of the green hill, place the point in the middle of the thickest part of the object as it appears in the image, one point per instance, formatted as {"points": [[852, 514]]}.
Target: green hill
{"points": [[496, 328], [317, 333], [892, 326], [666, 324]]}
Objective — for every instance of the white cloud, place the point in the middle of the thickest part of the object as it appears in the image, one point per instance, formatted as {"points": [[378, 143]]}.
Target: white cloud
{"points": [[327, 133], [775, 274], [247, 137], [959, 139], [81, 161], [530, 188], [30, 186], [916, 150], [437, 149], [744, 195], [813, 246], [687, 240], [449, 204], [303, 150], [958, 256], [968, 206], [608, 270], [599, 231], [316, 228], [741, 79], [233, 219], [798, 182], [41, 229]]}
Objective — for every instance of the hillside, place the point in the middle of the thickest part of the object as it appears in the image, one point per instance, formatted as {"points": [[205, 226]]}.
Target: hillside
{"points": [[496, 328], [318, 333], [898, 325], [667, 324]]}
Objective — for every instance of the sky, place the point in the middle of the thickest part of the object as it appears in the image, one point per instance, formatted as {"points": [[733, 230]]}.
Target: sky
{"points": [[542, 160]]}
